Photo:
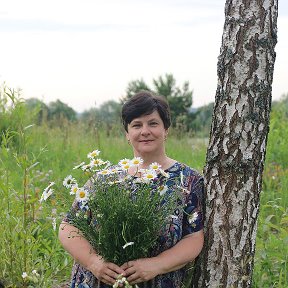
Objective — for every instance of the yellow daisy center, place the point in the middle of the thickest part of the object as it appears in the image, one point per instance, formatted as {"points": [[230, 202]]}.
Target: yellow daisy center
{"points": [[82, 194]]}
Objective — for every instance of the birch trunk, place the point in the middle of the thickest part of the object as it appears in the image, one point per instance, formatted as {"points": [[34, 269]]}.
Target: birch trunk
{"points": [[236, 151]]}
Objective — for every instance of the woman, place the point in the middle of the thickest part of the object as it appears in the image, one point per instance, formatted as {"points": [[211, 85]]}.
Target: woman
{"points": [[146, 119]]}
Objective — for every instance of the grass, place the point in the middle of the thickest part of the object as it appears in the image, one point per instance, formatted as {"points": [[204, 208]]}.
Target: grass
{"points": [[28, 241]]}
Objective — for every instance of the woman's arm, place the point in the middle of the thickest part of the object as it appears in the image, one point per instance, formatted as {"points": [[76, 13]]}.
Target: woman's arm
{"points": [[83, 253], [185, 251]]}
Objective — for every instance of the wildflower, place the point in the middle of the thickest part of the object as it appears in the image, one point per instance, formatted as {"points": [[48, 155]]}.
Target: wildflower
{"points": [[124, 162], [86, 167], [79, 166], [192, 218], [149, 175], [24, 275], [82, 195], [154, 166], [74, 189], [69, 181], [126, 166], [162, 189], [35, 273], [96, 162], [127, 244], [104, 172], [93, 154], [115, 182], [47, 192], [136, 161], [121, 281], [114, 171]]}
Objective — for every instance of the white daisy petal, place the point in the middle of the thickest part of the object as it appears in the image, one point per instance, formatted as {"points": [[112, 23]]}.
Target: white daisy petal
{"points": [[93, 154], [136, 161], [154, 166], [192, 218], [69, 181], [127, 244], [82, 195]]}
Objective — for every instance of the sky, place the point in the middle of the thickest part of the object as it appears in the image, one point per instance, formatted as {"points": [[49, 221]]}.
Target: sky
{"points": [[86, 52]]}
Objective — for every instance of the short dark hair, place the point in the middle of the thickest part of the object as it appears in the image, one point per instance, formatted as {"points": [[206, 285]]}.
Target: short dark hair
{"points": [[145, 103]]}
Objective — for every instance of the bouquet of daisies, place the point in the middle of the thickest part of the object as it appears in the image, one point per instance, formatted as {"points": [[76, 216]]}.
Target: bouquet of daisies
{"points": [[121, 215]]}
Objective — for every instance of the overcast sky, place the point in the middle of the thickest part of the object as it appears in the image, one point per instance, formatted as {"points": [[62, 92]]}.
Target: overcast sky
{"points": [[86, 52]]}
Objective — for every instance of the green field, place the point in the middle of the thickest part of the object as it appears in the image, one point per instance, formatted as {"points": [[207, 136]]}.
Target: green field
{"points": [[31, 156]]}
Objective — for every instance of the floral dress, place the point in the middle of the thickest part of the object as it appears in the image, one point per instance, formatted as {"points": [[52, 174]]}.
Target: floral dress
{"points": [[182, 223]]}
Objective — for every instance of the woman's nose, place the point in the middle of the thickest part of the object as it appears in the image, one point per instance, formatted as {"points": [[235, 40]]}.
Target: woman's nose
{"points": [[145, 130]]}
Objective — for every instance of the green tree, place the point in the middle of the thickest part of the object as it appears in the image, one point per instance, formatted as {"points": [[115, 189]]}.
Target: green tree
{"points": [[179, 99], [199, 120], [134, 87], [59, 110], [39, 108]]}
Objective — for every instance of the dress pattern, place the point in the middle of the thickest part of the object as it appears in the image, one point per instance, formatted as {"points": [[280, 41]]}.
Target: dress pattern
{"points": [[184, 221]]}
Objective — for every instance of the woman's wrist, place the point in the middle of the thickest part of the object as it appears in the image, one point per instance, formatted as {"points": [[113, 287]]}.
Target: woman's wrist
{"points": [[94, 262]]}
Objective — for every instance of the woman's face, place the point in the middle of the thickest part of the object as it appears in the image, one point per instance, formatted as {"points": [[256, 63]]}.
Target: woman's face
{"points": [[147, 134]]}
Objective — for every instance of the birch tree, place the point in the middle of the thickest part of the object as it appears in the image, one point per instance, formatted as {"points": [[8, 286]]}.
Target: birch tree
{"points": [[238, 137]]}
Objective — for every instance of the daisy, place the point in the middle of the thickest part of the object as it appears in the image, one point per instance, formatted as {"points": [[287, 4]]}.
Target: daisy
{"points": [[127, 244], [104, 172], [82, 195], [79, 166], [162, 189], [121, 281], [74, 189], [69, 181], [46, 195], [192, 218], [114, 171], [47, 192], [124, 161], [126, 166], [149, 175], [154, 166], [136, 161], [49, 186], [93, 154], [96, 162], [86, 167]]}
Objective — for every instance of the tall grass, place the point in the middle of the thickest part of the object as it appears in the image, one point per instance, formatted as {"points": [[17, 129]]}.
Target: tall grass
{"points": [[31, 156]]}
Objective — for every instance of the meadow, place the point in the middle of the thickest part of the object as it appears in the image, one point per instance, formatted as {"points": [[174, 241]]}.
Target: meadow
{"points": [[31, 156]]}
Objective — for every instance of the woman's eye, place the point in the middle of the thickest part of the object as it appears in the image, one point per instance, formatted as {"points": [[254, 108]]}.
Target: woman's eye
{"points": [[154, 123]]}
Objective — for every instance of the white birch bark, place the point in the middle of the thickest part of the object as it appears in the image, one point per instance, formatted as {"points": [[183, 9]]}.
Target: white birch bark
{"points": [[236, 152]]}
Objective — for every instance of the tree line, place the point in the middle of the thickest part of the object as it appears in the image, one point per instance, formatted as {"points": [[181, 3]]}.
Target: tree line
{"points": [[180, 99]]}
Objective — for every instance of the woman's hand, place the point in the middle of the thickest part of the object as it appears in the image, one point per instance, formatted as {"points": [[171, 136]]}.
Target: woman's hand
{"points": [[141, 270], [106, 272]]}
